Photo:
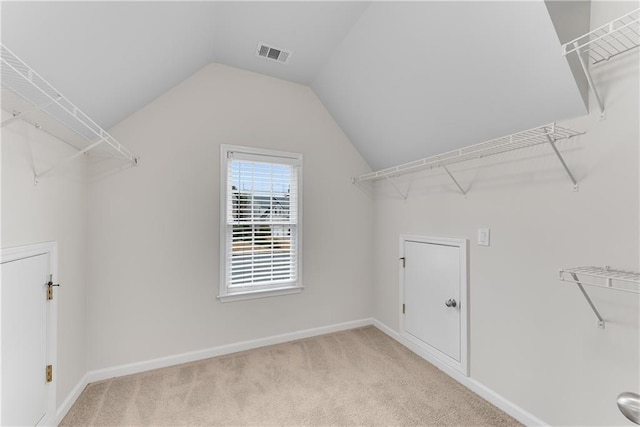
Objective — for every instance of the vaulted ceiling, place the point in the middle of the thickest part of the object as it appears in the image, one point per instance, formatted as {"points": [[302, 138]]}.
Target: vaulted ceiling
{"points": [[403, 79]]}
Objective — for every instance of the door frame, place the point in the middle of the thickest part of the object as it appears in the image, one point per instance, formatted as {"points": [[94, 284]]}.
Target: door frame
{"points": [[425, 350], [26, 251]]}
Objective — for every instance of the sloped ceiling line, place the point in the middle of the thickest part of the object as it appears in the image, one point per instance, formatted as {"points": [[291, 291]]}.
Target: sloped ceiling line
{"points": [[404, 80]]}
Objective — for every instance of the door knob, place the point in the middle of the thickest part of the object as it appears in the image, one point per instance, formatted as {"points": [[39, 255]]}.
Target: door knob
{"points": [[629, 405], [451, 302]]}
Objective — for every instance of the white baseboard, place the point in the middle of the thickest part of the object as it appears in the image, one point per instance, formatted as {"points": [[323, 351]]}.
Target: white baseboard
{"points": [[163, 362], [69, 401], [480, 389]]}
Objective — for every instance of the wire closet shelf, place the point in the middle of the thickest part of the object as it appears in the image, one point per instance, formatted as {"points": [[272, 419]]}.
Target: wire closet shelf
{"points": [[29, 97], [539, 135], [608, 41], [612, 39], [601, 277]]}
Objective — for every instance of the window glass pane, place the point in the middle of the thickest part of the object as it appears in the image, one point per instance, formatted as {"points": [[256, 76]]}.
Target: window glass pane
{"points": [[261, 224]]}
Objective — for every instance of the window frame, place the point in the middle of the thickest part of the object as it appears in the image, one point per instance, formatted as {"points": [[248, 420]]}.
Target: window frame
{"points": [[260, 154]]}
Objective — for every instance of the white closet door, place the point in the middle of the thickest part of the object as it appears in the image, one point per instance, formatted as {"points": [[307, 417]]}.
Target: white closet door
{"points": [[432, 278], [24, 340]]}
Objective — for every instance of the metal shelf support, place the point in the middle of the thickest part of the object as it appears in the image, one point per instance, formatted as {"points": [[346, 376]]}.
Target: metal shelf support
{"points": [[587, 74], [586, 296], [403, 195], [21, 115], [454, 179], [552, 142], [601, 277], [37, 176]]}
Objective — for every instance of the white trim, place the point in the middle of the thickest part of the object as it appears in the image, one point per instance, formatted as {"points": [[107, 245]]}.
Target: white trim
{"points": [[480, 389], [260, 156], [163, 362], [18, 252], [230, 151], [263, 293], [247, 153], [51, 249], [64, 407], [461, 366]]}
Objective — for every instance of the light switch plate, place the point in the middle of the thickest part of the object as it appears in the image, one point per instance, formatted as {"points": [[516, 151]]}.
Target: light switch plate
{"points": [[484, 237]]}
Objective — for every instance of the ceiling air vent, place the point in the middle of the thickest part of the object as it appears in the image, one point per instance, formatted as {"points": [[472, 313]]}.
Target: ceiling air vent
{"points": [[272, 53]]}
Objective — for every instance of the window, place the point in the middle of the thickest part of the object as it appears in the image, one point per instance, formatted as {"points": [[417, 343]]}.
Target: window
{"points": [[260, 223]]}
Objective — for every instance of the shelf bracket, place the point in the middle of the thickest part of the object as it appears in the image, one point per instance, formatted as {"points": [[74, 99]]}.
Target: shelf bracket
{"points": [[403, 195], [22, 80], [586, 295], [21, 115], [454, 179], [585, 68], [552, 142], [37, 176]]}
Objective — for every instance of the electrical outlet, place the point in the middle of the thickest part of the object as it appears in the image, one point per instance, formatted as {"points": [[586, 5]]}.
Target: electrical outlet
{"points": [[484, 237]]}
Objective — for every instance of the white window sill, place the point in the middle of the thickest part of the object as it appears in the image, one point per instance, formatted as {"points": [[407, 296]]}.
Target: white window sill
{"points": [[263, 293]]}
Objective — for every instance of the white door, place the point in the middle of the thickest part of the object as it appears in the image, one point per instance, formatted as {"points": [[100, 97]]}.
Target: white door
{"points": [[25, 391], [434, 298]]}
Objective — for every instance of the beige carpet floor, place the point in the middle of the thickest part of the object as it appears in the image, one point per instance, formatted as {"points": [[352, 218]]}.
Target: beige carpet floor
{"points": [[355, 377]]}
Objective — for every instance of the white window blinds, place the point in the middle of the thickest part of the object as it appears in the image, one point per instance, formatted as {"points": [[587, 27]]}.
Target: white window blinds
{"points": [[261, 222]]}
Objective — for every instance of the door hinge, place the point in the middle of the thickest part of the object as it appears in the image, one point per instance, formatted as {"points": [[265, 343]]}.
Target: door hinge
{"points": [[50, 286], [404, 262], [402, 308], [49, 373]]}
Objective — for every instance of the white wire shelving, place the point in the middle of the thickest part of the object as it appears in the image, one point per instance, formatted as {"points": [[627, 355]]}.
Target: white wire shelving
{"points": [[601, 277], [548, 134], [29, 97], [608, 41]]}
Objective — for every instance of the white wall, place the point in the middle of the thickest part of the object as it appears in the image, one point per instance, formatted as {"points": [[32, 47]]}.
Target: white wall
{"points": [[571, 20], [55, 209], [534, 339], [154, 229]]}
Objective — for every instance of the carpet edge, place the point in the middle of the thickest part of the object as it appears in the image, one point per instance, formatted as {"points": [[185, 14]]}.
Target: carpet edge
{"points": [[192, 356], [475, 386], [133, 368]]}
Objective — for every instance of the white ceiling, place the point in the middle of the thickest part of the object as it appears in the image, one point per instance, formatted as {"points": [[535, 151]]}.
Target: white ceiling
{"points": [[311, 30], [420, 78], [112, 58], [403, 79]]}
